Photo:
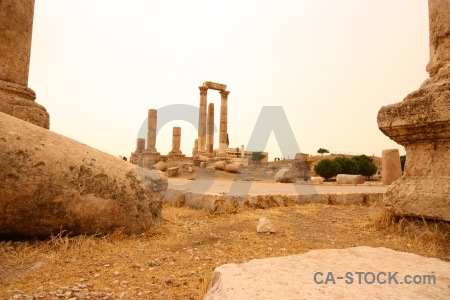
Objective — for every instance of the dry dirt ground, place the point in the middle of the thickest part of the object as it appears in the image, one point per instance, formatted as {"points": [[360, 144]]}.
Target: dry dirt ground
{"points": [[175, 261]]}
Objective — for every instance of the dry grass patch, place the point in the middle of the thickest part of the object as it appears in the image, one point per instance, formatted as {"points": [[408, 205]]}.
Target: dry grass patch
{"points": [[176, 260]]}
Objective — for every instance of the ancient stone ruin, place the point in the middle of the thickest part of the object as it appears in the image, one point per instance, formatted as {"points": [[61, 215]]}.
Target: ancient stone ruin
{"points": [[16, 99], [203, 146], [176, 142], [421, 123]]}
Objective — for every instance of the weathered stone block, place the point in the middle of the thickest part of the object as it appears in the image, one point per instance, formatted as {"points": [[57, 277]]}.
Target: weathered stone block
{"points": [[349, 179]]}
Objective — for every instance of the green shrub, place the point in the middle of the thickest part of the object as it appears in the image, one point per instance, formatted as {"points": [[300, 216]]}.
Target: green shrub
{"points": [[327, 168], [257, 157], [366, 165], [348, 166]]}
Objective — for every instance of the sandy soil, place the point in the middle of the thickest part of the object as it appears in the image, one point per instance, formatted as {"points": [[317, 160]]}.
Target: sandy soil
{"points": [[175, 261]]}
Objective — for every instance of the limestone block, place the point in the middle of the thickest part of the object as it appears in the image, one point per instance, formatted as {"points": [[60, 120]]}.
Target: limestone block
{"points": [[391, 169], [160, 166], [232, 168], [297, 277], [214, 86], [284, 176], [316, 180], [172, 172], [349, 179], [49, 183], [265, 225], [220, 165]]}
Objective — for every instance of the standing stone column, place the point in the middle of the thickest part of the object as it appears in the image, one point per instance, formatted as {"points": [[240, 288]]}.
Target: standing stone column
{"points": [[195, 149], [421, 123], [223, 123], [439, 16], [176, 139], [210, 130], [202, 120], [391, 169], [176, 143], [16, 99], [151, 133]]}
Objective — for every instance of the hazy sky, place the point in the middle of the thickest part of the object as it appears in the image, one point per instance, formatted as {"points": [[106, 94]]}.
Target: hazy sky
{"points": [[98, 66]]}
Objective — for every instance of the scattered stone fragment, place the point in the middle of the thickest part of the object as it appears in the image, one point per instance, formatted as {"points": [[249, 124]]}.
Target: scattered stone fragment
{"points": [[284, 176], [265, 225], [172, 172]]}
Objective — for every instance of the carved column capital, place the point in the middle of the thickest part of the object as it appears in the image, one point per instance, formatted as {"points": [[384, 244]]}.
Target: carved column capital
{"points": [[224, 94], [203, 90]]}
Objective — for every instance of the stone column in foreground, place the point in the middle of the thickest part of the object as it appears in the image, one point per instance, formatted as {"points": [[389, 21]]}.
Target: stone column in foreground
{"points": [[391, 169], [210, 130], [223, 145], [421, 123], [202, 120], [16, 99]]}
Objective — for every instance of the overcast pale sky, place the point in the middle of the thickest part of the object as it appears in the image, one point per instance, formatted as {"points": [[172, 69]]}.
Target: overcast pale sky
{"points": [[98, 66]]}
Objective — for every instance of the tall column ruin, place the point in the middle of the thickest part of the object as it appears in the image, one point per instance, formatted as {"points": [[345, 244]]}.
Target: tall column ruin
{"points": [[223, 135], [202, 120], [202, 126], [151, 133], [16, 99], [421, 123], [210, 130]]}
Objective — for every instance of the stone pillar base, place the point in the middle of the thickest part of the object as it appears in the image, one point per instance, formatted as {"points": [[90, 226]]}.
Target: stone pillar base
{"points": [[421, 122], [174, 155], [425, 190], [18, 101], [150, 158]]}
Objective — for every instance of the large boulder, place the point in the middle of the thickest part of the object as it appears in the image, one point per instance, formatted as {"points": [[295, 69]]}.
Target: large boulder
{"points": [[49, 183], [333, 274], [220, 165], [349, 179], [160, 166], [284, 176], [232, 168]]}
